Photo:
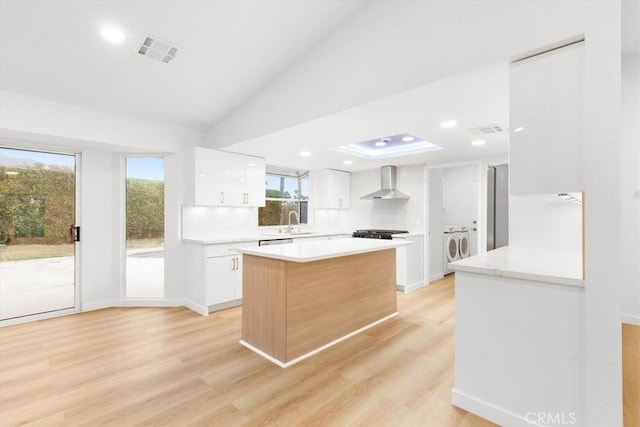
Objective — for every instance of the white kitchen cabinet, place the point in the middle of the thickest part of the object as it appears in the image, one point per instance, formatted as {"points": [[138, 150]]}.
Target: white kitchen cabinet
{"points": [[546, 103], [223, 279], [332, 189], [255, 179], [220, 178], [213, 275]]}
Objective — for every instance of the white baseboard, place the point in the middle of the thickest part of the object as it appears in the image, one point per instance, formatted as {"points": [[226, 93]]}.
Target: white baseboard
{"points": [[148, 302], [317, 350], [200, 309], [436, 277], [486, 410], [410, 288], [631, 319], [96, 305]]}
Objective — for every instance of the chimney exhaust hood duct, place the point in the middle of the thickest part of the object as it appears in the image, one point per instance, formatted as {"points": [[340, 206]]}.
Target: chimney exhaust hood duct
{"points": [[388, 182]]}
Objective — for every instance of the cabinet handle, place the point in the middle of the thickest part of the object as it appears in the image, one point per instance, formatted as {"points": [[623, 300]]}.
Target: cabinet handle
{"points": [[222, 197], [339, 203], [233, 264], [245, 197]]}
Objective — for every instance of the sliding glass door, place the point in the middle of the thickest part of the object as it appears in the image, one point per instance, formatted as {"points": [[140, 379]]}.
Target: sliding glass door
{"points": [[37, 232]]}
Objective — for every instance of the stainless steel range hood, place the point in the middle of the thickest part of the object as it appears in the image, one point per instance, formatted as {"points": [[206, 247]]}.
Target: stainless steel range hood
{"points": [[388, 183]]}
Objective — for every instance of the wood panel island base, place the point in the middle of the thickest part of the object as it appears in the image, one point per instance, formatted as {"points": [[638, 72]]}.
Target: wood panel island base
{"points": [[301, 298]]}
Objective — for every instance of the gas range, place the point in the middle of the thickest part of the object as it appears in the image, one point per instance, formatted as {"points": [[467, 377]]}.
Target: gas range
{"points": [[377, 234]]}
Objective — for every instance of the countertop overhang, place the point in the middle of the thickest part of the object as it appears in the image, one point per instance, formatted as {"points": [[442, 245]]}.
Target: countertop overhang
{"points": [[324, 249], [540, 265]]}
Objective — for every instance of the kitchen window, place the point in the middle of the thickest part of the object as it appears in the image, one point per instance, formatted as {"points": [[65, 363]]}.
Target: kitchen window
{"points": [[286, 191]]}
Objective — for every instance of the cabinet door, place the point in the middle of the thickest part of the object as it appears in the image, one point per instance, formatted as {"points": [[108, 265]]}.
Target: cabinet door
{"points": [[255, 173], [546, 122], [341, 184], [221, 278], [209, 174], [238, 277], [233, 178], [332, 189]]}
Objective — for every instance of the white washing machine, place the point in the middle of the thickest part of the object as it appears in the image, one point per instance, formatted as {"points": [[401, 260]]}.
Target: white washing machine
{"points": [[464, 245], [451, 241]]}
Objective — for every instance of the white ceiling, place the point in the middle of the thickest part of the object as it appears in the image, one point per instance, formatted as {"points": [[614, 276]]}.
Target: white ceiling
{"points": [[228, 51], [280, 63], [473, 99]]}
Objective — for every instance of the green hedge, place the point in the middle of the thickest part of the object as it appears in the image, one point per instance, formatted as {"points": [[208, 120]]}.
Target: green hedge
{"points": [[145, 209], [37, 206]]}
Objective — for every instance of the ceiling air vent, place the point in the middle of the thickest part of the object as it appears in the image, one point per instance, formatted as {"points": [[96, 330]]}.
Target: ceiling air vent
{"points": [[157, 49], [486, 130]]}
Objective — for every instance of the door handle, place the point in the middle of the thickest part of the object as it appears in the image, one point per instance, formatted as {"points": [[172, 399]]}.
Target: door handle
{"points": [[75, 233]]}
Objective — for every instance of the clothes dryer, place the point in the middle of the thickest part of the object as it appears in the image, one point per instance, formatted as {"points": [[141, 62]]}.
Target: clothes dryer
{"points": [[464, 246], [451, 239]]}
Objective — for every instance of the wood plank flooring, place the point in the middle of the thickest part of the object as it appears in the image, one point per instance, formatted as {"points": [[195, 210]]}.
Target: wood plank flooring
{"points": [[170, 366], [631, 374]]}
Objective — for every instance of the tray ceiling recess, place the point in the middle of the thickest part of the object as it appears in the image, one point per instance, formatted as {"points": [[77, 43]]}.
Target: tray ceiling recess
{"points": [[159, 50], [388, 146]]}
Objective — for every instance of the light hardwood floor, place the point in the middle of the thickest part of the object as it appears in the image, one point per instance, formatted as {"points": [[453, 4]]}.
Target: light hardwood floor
{"points": [[631, 374], [170, 366]]}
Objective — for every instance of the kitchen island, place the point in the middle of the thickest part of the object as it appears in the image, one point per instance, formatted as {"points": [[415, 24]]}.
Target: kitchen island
{"points": [[301, 298]]}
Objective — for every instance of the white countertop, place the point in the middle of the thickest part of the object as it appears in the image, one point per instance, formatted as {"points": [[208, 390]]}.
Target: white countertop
{"points": [[323, 249], [539, 265], [256, 237]]}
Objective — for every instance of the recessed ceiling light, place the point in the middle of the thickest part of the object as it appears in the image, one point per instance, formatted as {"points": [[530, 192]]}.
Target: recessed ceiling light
{"points": [[518, 129], [408, 138], [305, 153], [478, 142], [251, 165], [448, 124], [112, 34], [348, 162], [380, 143]]}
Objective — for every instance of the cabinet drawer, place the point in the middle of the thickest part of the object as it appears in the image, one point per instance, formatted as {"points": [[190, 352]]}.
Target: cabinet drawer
{"points": [[226, 249]]}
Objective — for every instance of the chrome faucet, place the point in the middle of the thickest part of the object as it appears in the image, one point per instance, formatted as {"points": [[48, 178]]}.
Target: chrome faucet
{"points": [[297, 219]]}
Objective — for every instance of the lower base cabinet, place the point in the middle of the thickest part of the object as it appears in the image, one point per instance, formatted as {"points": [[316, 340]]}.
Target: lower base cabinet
{"points": [[223, 279]]}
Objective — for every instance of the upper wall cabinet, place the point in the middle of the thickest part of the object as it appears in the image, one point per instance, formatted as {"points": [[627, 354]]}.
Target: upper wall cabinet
{"points": [[546, 98], [332, 189], [219, 178]]}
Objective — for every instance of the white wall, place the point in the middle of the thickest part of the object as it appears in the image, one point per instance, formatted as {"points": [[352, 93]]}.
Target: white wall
{"points": [[436, 244], [630, 185], [546, 222], [100, 262], [68, 124]]}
